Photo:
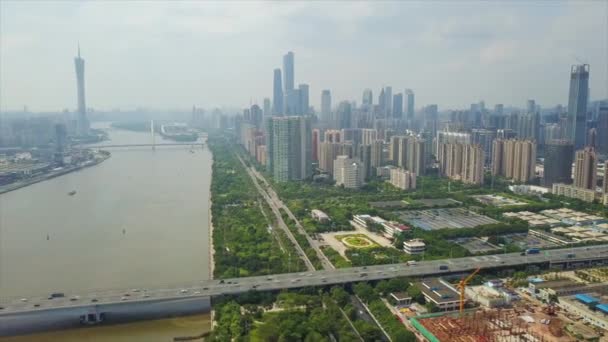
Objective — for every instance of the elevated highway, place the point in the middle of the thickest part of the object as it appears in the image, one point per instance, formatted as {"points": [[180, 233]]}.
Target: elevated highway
{"points": [[557, 258]]}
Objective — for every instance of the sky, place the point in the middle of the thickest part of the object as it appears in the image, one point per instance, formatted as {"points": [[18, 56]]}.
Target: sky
{"points": [[162, 55]]}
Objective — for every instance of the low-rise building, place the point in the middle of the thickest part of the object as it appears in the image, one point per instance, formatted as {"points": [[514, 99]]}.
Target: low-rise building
{"points": [[401, 298], [414, 246], [590, 312], [556, 239], [392, 229], [441, 293], [319, 215], [389, 228], [572, 191]]}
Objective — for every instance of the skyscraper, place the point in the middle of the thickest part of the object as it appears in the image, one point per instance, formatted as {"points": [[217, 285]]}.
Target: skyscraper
{"points": [[325, 105], [344, 114], [602, 129], [585, 169], [558, 162], [82, 122], [288, 72], [577, 104], [388, 102], [316, 140], [381, 103], [304, 102], [530, 106], [398, 106], [368, 99], [289, 147], [409, 96], [267, 108], [605, 181], [277, 95]]}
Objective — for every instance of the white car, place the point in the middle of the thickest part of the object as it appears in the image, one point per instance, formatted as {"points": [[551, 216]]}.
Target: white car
{"points": [[183, 291]]}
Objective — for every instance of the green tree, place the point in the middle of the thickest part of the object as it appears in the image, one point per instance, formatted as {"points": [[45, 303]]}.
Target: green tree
{"points": [[339, 295], [365, 292]]}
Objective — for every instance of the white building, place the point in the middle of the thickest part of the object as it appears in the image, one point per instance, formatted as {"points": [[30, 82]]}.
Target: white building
{"points": [[403, 179], [571, 191], [414, 246], [349, 172], [319, 215]]}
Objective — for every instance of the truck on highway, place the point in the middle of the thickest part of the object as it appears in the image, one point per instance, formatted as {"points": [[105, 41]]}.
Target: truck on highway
{"points": [[533, 251], [443, 267]]}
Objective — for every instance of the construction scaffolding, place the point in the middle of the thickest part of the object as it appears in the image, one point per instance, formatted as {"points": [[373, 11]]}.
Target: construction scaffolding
{"points": [[493, 325]]}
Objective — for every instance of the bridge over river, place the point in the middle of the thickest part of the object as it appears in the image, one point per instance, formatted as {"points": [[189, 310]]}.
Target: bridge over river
{"points": [[20, 314]]}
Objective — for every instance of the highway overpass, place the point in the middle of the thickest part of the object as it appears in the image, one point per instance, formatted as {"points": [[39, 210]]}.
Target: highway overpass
{"points": [[99, 301]]}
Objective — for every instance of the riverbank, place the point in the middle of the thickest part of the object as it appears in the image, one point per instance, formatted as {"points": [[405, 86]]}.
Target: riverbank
{"points": [[211, 245], [18, 185]]}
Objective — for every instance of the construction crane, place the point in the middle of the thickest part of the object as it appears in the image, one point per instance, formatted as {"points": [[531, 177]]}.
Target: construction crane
{"points": [[461, 285]]}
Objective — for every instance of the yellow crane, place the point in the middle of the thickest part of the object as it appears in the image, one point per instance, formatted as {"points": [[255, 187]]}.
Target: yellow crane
{"points": [[461, 285]]}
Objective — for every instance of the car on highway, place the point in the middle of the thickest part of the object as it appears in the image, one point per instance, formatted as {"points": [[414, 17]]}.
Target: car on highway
{"points": [[1, 307], [74, 298], [443, 267], [145, 295], [183, 291], [123, 298], [56, 295], [94, 300], [197, 292], [36, 305], [24, 300]]}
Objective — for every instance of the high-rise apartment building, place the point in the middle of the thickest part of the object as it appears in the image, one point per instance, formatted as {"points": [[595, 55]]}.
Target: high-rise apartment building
{"points": [[484, 138], [82, 122], [277, 94], [348, 172], [332, 135], [325, 105], [289, 147], [316, 141], [514, 159], [377, 155], [602, 128], [368, 136], [462, 162], [409, 97], [364, 153], [530, 106], [344, 114], [403, 179], [585, 168], [577, 104], [445, 137], [605, 180]]}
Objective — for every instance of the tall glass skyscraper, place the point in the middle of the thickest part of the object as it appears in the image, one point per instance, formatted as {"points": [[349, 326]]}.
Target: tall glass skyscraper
{"points": [[326, 105], [288, 72], [577, 104]]}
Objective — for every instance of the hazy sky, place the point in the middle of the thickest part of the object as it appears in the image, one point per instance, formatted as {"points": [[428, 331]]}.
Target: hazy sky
{"points": [[167, 55]]}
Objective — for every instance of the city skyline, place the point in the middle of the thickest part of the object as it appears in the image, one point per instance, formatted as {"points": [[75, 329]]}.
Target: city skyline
{"points": [[503, 47]]}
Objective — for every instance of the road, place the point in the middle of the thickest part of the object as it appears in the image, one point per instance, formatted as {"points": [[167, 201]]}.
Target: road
{"points": [[279, 204], [277, 213], [304, 279]]}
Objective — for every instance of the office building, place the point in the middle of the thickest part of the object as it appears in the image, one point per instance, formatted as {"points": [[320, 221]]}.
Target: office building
{"points": [[414, 246], [558, 162], [388, 102], [326, 105], [431, 119], [348, 172], [585, 169], [368, 99], [82, 121], [403, 179], [277, 94], [364, 153], [605, 180], [514, 159], [381, 103], [344, 114], [304, 104], [398, 106], [289, 147], [577, 104], [267, 107], [292, 102], [462, 162], [530, 106], [409, 104], [499, 109]]}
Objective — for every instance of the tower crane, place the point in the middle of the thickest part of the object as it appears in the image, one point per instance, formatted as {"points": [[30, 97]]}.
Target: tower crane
{"points": [[461, 285]]}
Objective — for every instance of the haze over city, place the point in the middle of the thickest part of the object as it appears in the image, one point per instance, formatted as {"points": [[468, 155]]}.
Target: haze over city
{"points": [[173, 55]]}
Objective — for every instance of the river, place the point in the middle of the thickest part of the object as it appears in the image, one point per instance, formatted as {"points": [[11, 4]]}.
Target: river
{"points": [[137, 220]]}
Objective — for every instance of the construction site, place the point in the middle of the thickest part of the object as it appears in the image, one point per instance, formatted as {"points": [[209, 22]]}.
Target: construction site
{"points": [[493, 325]]}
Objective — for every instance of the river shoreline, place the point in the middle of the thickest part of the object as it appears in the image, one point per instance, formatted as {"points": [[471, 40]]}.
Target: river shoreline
{"points": [[51, 175]]}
